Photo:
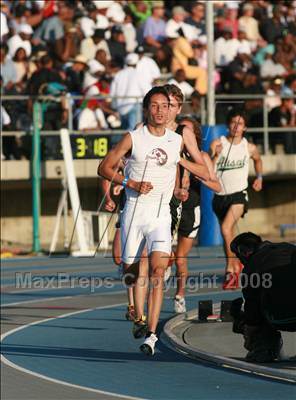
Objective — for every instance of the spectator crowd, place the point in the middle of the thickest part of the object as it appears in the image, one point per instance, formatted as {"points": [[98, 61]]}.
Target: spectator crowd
{"points": [[111, 52]]}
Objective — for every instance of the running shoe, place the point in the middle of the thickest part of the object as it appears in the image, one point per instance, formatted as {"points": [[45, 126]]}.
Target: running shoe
{"points": [[140, 327], [179, 304], [130, 313], [149, 344]]}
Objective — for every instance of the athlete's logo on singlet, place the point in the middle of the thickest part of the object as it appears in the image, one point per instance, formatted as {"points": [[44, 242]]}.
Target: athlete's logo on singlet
{"points": [[159, 155]]}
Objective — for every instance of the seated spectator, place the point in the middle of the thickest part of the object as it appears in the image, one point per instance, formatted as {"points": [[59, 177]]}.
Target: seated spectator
{"points": [[274, 94], [197, 18], [92, 77], [126, 88], [238, 70], [249, 23], [20, 61], [154, 32], [286, 50], [230, 18], [141, 10], [21, 39], [75, 74], [8, 71], [163, 58], [130, 33], [91, 118], [4, 30], [116, 45], [225, 48], [271, 67], [182, 56], [262, 49], [89, 46], [59, 32], [284, 116], [101, 57], [147, 68], [193, 106], [176, 26], [271, 28], [88, 24], [289, 88], [243, 42], [180, 81], [115, 12], [102, 9]]}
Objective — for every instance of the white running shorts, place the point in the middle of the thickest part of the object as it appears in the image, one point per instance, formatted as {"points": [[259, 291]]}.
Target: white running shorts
{"points": [[143, 224]]}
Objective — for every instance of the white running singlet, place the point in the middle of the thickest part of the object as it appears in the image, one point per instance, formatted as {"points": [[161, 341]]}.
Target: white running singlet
{"points": [[146, 218], [232, 166]]}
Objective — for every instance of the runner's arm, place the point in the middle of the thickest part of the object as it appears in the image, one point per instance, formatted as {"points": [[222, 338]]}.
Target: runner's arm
{"points": [[109, 166], [258, 165]]}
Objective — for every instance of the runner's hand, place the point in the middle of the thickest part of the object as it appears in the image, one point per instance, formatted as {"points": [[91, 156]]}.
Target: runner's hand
{"points": [[140, 187], [257, 184], [117, 189], [109, 205], [181, 194]]}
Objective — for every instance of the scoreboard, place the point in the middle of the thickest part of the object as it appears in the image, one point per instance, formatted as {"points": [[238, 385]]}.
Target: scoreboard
{"points": [[88, 146]]}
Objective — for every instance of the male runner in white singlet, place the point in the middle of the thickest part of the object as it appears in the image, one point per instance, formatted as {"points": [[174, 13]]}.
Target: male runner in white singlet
{"points": [[149, 181]]}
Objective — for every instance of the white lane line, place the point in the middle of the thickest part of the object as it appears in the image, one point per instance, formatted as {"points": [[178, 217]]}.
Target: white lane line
{"points": [[46, 299], [28, 371]]}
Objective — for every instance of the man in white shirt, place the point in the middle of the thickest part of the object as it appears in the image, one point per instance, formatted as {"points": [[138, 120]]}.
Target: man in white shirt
{"points": [[128, 86], [90, 45], [91, 118], [21, 39], [225, 48], [176, 25], [147, 68]]}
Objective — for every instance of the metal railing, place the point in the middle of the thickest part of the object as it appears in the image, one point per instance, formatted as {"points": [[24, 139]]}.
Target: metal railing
{"points": [[265, 129]]}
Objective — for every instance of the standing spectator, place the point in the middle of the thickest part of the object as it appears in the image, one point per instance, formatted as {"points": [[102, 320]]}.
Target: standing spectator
{"points": [[147, 68], [238, 70], [154, 28], [91, 79], [21, 39], [249, 23], [116, 45], [176, 26], [197, 18], [8, 71], [271, 28], [89, 46], [126, 84], [75, 74], [284, 116]]}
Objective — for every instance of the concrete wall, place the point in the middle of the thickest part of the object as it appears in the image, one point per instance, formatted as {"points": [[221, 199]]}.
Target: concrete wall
{"points": [[275, 205]]}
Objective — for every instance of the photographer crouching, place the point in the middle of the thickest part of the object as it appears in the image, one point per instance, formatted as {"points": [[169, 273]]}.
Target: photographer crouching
{"points": [[269, 295]]}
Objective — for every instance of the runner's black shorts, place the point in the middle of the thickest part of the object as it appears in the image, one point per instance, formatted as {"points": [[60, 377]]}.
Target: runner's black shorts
{"points": [[186, 218], [122, 200], [221, 204]]}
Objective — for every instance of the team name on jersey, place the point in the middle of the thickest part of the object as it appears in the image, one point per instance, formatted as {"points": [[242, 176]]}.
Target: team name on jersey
{"points": [[225, 164]]}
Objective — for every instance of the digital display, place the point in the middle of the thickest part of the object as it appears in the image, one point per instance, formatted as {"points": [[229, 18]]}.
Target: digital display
{"points": [[91, 146]]}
